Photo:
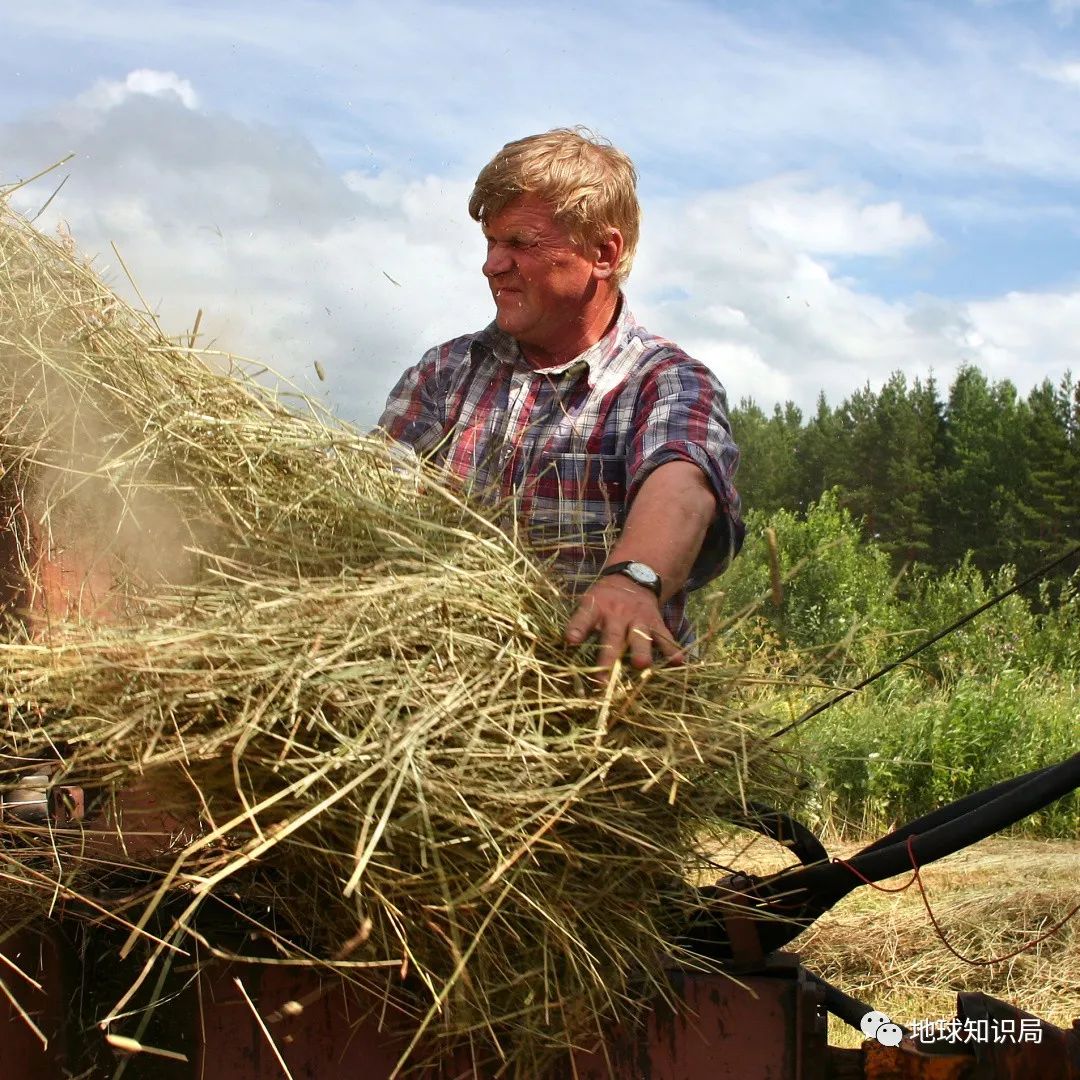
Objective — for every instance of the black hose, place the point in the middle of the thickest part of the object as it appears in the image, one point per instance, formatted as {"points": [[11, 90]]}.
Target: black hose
{"points": [[844, 1006], [955, 809], [784, 829], [787, 902], [956, 833]]}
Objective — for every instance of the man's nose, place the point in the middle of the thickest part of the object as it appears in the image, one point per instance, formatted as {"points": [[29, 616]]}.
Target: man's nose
{"points": [[498, 260]]}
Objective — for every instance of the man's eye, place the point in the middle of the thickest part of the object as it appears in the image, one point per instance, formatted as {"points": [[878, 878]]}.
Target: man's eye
{"points": [[516, 242]]}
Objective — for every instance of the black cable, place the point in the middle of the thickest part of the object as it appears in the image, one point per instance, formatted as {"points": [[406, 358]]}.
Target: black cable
{"points": [[820, 708], [785, 903]]}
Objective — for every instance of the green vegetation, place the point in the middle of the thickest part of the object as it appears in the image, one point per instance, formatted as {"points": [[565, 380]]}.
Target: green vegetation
{"points": [[997, 698], [981, 471]]}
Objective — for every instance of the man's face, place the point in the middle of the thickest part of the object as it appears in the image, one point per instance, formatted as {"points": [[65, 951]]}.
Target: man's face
{"points": [[540, 279]]}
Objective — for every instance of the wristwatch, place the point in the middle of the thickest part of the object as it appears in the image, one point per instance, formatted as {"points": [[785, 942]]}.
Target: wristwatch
{"points": [[638, 573]]}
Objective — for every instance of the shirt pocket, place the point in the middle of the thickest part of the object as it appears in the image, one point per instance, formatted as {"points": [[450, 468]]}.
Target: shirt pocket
{"points": [[575, 505]]}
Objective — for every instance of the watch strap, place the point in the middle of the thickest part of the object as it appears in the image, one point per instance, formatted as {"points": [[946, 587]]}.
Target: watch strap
{"points": [[656, 586]]}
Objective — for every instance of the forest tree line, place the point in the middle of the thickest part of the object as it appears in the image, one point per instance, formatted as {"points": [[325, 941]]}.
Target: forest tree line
{"points": [[965, 491], [980, 469]]}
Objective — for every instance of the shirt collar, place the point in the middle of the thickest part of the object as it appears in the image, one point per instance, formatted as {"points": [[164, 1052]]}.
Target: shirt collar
{"points": [[596, 357]]}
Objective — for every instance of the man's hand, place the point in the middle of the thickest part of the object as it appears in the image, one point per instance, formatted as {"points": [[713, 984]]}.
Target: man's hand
{"points": [[664, 529], [627, 618]]}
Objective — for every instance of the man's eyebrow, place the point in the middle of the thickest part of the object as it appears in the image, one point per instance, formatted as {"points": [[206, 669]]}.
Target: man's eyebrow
{"points": [[521, 232]]}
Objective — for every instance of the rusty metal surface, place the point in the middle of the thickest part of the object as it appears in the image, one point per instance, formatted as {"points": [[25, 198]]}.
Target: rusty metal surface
{"points": [[906, 1062], [60, 583], [336, 1036], [135, 822], [12, 530], [67, 586], [1052, 1054], [1044, 1052], [22, 1056], [768, 1029], [843, 1063]]}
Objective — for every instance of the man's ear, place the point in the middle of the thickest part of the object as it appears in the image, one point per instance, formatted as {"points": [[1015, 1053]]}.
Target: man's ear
{"points": [[606, 255]]}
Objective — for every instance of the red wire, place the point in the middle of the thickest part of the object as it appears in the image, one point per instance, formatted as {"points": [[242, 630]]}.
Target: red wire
{"points": [[916, 878], [882, 888]]}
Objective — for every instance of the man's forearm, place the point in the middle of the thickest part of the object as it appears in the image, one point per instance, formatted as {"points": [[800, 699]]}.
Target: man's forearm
{"points": [[665, 528], [667, 523]]}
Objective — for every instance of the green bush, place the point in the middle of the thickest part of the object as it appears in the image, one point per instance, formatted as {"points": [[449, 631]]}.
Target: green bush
{"points": [[992, 700], [1057, 646], [835, 583], [884, 758], [1004, 636]]}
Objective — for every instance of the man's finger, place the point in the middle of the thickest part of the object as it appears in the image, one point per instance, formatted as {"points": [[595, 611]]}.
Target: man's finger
{"points": [[583, 622], [640, 640], [669, 647], [612, 647]]}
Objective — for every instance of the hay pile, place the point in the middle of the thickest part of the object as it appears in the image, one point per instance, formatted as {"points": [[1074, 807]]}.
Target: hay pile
{"points": [[343, 683]]}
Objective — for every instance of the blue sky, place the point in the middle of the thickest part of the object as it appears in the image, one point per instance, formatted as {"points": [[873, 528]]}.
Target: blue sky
{"points": [[832, 189]]}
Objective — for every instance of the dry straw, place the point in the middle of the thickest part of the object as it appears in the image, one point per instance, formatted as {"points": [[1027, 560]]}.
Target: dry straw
{"points": [[343, 682], [990, 900]]}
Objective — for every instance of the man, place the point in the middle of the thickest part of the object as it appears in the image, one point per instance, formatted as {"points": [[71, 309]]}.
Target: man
{"points": [[612, 443]]}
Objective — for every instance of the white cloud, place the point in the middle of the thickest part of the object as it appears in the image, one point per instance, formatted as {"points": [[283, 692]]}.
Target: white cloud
{"points": [[1067, 72], [919, 89], [1026, 337], [776, 323], [1061, 10], [826, 221], [293, 263], [107, 93], [1065, 9], [289, 263], [754, 299]]}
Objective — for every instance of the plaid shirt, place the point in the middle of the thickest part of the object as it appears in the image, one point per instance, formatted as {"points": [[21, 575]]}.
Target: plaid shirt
{"points": [[571, 445]]}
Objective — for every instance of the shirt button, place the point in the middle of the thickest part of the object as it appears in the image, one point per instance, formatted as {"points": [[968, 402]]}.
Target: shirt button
{"points": [[506, 453]]}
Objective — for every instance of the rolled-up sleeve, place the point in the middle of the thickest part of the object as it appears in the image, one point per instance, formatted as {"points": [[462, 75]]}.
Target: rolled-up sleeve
{"points": [[681, 415]]}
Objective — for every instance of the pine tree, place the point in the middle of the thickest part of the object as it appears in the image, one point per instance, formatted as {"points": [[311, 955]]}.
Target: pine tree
{"points": [[820, 455], [1052, 498], [905, 444], [983, 474], [930, 414], [767, 478]]}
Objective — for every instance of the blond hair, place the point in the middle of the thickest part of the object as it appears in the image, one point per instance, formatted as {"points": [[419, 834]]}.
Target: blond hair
{"points": [[591, 186]]}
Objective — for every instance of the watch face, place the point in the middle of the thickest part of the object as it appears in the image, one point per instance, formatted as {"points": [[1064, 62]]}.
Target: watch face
{"points": [[642, 574]]}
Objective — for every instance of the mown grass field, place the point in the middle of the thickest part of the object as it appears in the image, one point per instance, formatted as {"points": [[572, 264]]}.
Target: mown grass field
{"points": [[989, 900]]}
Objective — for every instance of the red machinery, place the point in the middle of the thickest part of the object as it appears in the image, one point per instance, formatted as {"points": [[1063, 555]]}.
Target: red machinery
{"points": [[766, 1023]]}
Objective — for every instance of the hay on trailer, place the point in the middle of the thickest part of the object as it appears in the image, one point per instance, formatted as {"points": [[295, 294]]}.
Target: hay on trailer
{"points": [[344, 684]]}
